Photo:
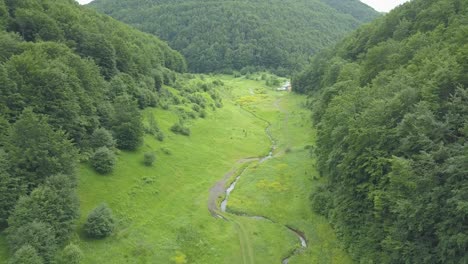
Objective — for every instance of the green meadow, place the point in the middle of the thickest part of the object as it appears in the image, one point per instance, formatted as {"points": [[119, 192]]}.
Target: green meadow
{"points": [[161, 210]]}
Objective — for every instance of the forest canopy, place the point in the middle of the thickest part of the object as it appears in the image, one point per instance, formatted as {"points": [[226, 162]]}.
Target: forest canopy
{"points": [[391, 106], [230, 35]]}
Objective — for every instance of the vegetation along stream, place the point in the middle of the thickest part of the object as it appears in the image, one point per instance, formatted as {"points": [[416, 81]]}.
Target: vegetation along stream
{"points": [[216, 190]]}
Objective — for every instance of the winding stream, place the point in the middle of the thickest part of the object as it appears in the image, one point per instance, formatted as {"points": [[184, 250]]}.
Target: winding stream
{"points": [[216, 189]]}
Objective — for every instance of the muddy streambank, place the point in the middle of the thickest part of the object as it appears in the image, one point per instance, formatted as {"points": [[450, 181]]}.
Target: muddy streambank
{"points": [[219, 189]]}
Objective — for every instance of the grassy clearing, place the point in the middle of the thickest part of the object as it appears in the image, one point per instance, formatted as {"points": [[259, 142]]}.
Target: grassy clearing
{"points": [[162, 210], [279, 188]]}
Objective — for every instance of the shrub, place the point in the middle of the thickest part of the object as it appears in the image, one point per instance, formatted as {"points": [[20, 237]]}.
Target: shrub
{"points": [[203, 114], [129, 135], [26, 255], [100, 222], [218, 82], [179, 128], [71, 254], [160, 136], [149, 158], [103, 160], [101, 137], [321, 200], [166, 151], [196, 108]]}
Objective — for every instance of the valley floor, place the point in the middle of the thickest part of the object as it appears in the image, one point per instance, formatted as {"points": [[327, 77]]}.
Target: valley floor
{"points": [[162, 210]]}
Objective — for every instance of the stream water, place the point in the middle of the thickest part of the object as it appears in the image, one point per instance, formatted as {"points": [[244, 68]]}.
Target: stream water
{"points": [[232, 186]]}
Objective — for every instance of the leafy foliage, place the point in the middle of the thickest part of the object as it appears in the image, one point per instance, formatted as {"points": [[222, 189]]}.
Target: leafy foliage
{"points": [[37, 235], [69, 76], [26, 255], [102, 137], [63, 70], [103, 160], [390, 103], [36, 151], [100, 222], [54, 203], [180, 128], [149, 158], [10, 188], [71, 254], [127, 123], [226, 35]]}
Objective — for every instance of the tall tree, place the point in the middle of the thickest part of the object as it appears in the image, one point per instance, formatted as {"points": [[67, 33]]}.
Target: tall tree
{"points": [[54, 203], [127, 123], [36, 151]]}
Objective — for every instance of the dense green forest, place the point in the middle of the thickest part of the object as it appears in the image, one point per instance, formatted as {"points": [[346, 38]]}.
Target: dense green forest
{"points": [[391, 106], [73, 83], [219, 36], [82, 93]]}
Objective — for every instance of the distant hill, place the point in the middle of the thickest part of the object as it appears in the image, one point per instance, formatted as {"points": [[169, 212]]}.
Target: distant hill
{"points": [[355, 8], [220, 35]]}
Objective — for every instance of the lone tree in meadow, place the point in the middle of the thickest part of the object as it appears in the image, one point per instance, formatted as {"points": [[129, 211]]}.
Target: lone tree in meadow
{"points": [[149, 158], [100, 222]]}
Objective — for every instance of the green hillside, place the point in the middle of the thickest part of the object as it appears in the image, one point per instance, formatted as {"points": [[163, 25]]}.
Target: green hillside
{"points": [[230, 35], [391, 107], [72, 86]]}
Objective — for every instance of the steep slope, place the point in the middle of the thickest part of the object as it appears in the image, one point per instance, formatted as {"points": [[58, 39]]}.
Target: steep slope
{"points": [[391, 108], [72, 83], [223, 35], [90, 53]]}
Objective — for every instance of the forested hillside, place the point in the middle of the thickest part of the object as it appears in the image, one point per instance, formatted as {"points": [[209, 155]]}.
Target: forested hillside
{"points": [[72, 83], [391, 106], [230, 35]]}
